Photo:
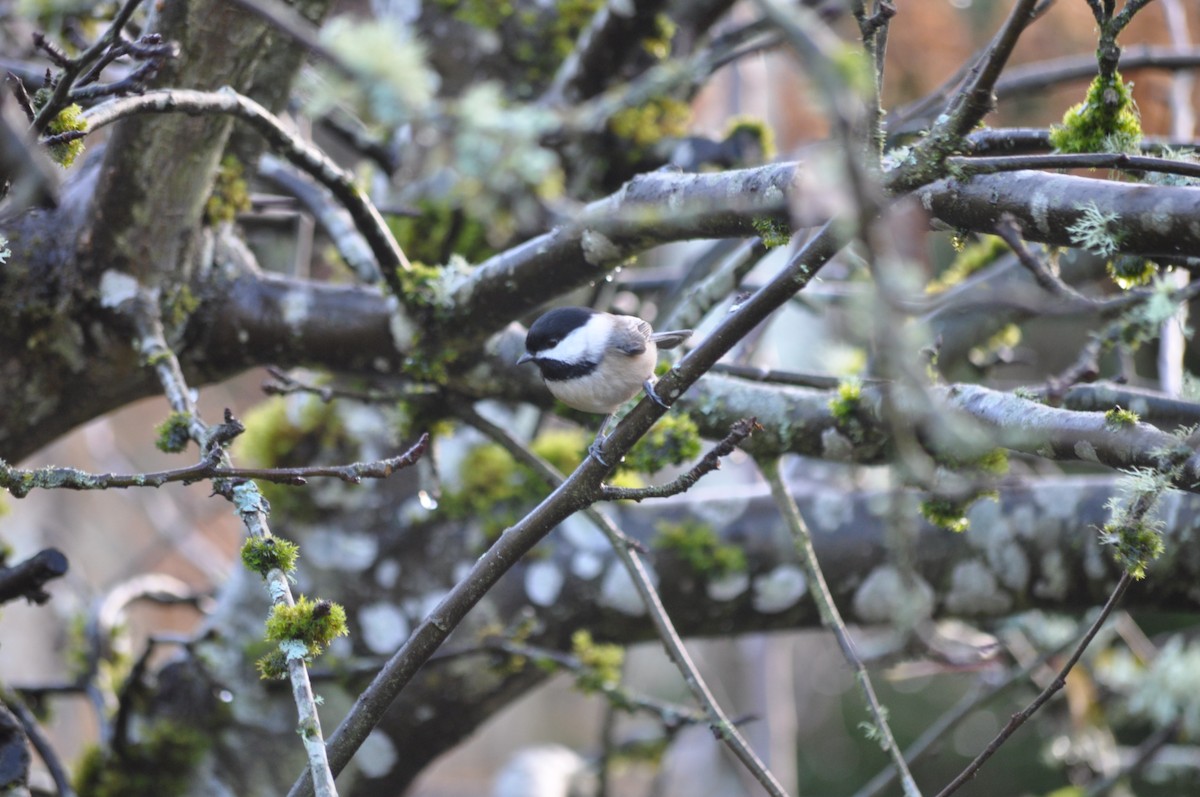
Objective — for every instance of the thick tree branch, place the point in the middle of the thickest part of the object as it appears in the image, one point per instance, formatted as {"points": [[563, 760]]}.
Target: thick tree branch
{"points": [[1151, 220]]}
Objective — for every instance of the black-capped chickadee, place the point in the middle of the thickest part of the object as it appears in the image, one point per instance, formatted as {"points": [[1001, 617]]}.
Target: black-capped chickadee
{"points": [[595, 361]]}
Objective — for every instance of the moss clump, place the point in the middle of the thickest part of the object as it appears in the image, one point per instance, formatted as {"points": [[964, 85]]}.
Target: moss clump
{"points": [[644, 125], [971, 258], [847, 400], [945, 514], [1135, 545], [756, 130], [69, 119], [602, 662], [272, 666], [673, 440], [421, 284], [698, 545], [658, 43], [1118, 418], [485, 14], [1106, 121], [160, 764], [997, 349], [264, 555], [172, 435], [496, 490], [230, 195], [315, 623], [178, 306], [773, 233], [289, 432], [439, 230], [1129, 271]]}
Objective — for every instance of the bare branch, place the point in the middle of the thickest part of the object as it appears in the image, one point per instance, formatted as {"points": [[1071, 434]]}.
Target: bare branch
{"points": [[1018, 719], [831, 618], [684, 482]]}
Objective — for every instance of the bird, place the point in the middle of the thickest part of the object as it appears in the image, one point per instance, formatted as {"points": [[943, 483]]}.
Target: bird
{"points": [[596, 361]]}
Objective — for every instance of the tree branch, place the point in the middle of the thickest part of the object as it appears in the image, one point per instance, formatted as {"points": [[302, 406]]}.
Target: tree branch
{"points": [[300, 153]]}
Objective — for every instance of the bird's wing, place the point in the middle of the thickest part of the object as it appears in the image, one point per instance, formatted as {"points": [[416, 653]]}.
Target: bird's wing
{"points": [[630, 335]]}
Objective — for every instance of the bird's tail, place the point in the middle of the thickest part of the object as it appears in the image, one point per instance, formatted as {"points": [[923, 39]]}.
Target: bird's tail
{"points": [[669, 340]]}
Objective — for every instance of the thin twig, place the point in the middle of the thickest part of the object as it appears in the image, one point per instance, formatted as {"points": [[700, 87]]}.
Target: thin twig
{"points": [[724, 729], [967, 107], [962, 709], [42, 744], [1018, 719], [19, 482], [1122, 161], [253, 510], [831, 618], [66, 80], [1010, 231], [671, 715], [684, 482]]}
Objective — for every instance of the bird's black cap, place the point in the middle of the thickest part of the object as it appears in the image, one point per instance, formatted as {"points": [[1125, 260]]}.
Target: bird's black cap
{"points": [[555, 325]]}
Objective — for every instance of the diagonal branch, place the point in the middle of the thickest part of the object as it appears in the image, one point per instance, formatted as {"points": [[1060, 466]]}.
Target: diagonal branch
{"points": [[572, 495], [831, 618]]}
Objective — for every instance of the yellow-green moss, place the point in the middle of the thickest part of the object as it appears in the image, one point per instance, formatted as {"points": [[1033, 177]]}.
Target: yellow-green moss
{"points": [[485, 14], [773, 233], [1106, 121], [949, 515], [847, 400], [971, 258], [178, 305], [439, 230], [161, 764], [1118, 418], [230, 194], [755, 128], [1130, 271], [1004, 339], [1135, 545], [172, 434], [603, 662], [69, 119], [698, 545], [652, 121], [272, 666], [658, 43], [315, 623], [855, 69], [675, 439], [264, 555], [290, 432]]}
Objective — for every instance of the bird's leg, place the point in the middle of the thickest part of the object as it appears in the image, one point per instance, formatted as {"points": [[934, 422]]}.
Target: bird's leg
{"points": [[648, 386], [601, 437]]}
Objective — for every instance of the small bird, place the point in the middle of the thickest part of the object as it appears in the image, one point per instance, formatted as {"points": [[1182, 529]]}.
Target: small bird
{"points": [[595, 361]]}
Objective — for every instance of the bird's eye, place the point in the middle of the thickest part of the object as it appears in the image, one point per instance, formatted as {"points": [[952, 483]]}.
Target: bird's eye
{"points": [[553, 341]]}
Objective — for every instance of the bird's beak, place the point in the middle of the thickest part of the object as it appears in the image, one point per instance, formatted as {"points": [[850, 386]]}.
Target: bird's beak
{"points": [[526, 357]]}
